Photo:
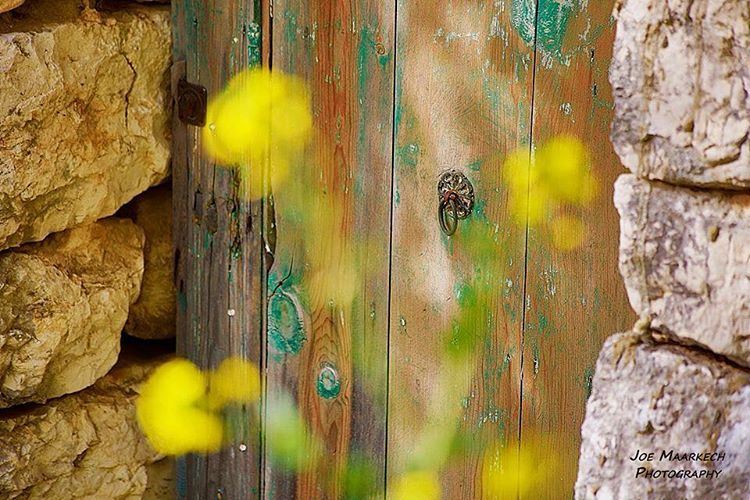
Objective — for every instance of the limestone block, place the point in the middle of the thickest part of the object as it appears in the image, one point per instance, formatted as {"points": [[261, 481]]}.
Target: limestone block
{"points": [[161, 480], [153, 315], [6, 5], [681, 81], [685, 259], [84, 114], [63, 304], [661, 397], [84, 445]]}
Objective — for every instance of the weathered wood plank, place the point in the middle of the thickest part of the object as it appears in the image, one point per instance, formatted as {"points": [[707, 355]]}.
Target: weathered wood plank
{"points": [[328, 287], [463, 101], [218, 239], [576, 299]]}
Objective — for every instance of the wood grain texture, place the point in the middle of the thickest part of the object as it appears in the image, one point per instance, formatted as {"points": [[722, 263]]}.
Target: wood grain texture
{"points": [[218, 240], [328, 287], [463, 101], [576, 299]]}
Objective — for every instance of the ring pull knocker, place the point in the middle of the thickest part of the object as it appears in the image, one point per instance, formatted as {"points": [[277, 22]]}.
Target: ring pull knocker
{"points": [[455, 200], [447, 212]]}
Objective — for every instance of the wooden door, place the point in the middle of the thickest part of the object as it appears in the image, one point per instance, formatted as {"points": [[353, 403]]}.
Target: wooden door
{"points": [[398, 355]]}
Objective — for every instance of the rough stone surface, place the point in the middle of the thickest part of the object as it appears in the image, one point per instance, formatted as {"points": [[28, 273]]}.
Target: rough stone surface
{"points": [[681, 81], [153, 315], [654, 397], [161, 481], [685, 258], [6, 5], [63, 304], [84, 445], [84, 113]]}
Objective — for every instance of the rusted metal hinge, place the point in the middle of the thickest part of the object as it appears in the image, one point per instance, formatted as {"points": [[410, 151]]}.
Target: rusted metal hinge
{"points": [[192, 100]]}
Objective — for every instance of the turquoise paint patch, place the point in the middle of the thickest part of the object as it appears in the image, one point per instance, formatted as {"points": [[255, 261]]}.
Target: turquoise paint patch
{"points": [[182, 301], [409, 154], [290, 28], [523, 18], [543, 323], [254, 39], [475, 165], [328, 384], [553, 20], [286, 332], [480, 210]]}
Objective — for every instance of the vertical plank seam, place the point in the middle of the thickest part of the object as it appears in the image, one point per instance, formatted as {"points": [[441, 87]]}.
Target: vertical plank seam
{"points": [[394, 126], [526, 242], [266, 9]]}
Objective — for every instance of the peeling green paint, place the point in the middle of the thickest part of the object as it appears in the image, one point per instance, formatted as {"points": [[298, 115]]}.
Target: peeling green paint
{"points": [[543, 322], [475, 165], [409, 154], [286, 329], [328, 384], [290, 28], [551, 23], [523, 19], [254, 40]]}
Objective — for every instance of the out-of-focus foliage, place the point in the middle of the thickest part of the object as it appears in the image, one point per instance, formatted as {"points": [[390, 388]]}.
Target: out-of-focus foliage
{"points": [[261, 116], [361, 479], [289, 441], [179, 406]]}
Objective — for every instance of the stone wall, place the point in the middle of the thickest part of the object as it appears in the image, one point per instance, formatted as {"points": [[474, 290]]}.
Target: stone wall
{"points": [[680, 382], [85, 244]]}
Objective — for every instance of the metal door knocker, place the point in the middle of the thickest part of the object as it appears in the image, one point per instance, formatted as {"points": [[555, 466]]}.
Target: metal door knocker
{"points": [[456, 200]]}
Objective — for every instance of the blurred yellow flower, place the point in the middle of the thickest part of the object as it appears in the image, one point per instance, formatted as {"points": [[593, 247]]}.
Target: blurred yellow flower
{"points": [[260, 118], [170, 413], [236, 380], [558, 175], [568, 232], [510, 473], [563, 169], [417, 485]]}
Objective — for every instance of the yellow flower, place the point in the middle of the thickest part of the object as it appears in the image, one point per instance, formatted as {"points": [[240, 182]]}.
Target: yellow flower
{"points": [[169, 410], [558, 175], [261, 116], [236, 380], [510, 473], [417, 485], [564, 168], [517, 170], [568, 232]]}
